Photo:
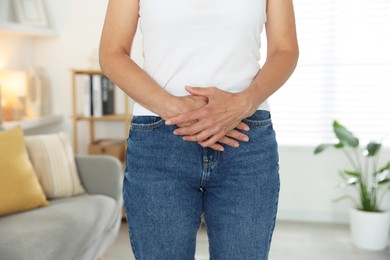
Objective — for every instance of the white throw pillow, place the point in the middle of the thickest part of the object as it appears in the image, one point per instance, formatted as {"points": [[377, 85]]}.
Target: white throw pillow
{"points": [[53, 160]]}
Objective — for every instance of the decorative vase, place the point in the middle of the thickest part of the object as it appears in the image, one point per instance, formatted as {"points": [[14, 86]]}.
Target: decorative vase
{"points": [[37, 102], [34, 94], [370, 230]]}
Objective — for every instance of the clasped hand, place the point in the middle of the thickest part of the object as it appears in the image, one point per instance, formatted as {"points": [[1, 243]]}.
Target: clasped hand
{"points": [[215, 123]]}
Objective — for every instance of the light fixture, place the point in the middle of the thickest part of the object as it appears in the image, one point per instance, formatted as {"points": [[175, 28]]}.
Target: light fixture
{"points": [[13, 92]]}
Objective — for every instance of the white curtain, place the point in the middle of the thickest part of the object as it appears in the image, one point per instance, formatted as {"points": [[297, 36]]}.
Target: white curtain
{"points": [[343, 73]]}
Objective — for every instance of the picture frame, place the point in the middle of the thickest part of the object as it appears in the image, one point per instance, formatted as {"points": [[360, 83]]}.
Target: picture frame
{"points": [[31, 12]]}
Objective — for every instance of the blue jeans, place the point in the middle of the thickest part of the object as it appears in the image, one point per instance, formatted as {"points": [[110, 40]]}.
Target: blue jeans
{"points": [[169, 183]]}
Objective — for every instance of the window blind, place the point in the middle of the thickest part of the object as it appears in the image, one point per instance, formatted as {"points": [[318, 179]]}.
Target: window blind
{"points": [[343, 73]]}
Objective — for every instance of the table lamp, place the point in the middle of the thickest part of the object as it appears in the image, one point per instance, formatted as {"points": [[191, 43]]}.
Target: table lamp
{"points": [[13, 91]]}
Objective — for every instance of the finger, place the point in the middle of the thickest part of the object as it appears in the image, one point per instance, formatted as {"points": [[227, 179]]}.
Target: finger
{"points": [[190, 130], [186, 124], [204, 135], [217, 147], [238, 135], [242, 126], [213, 139], [229, 141], [197, 91], [186, 117]]}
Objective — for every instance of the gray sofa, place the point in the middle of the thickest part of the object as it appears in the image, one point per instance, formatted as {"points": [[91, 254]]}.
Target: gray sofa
{"points": [[75, 228]]}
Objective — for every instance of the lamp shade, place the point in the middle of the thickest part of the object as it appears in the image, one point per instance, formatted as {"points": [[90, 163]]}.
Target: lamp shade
{"points": [[13, 83]]}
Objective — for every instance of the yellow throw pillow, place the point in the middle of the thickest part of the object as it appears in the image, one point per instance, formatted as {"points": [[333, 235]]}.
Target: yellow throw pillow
{"points": [[19, 186]]}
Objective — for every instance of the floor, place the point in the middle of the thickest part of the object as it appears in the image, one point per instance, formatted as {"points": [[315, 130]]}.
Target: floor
{"points": [[291, 240]]}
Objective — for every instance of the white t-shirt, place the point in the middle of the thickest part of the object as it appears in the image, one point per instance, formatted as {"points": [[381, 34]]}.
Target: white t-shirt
{"points": [[201, 43]]}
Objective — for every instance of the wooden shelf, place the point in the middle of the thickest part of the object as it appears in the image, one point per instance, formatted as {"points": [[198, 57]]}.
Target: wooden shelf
{"points": [[31, 123], [21, 29], [87, 72], [77, 117]]}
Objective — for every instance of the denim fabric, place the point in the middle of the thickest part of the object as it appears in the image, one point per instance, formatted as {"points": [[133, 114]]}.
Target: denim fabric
{"points": [[169, 183]]}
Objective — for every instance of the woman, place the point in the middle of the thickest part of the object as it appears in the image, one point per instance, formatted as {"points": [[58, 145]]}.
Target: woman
{"points": [[201, 137]]}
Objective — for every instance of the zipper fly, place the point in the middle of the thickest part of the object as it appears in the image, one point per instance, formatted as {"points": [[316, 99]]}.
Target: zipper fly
{"points": [[210, 158]]}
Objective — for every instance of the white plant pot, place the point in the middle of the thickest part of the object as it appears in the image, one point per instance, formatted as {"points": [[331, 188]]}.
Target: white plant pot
{"points": [[370, 230]]}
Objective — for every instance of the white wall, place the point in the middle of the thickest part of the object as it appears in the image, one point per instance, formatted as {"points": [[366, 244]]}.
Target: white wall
{"points": [[309, 183], [16, 52], [78, 38]]}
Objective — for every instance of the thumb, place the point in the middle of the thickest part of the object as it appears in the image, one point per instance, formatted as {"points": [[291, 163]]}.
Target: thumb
{"points": [[198, 91]]}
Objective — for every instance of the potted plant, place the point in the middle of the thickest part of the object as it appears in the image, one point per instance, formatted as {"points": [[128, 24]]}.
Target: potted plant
{"points": [[368, 222]]}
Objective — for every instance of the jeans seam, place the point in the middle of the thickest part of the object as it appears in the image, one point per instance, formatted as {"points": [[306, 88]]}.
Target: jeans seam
{"points": [[272, 228], [130, 227]]}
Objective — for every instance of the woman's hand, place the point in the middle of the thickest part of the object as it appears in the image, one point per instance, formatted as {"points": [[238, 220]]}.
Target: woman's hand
{"points": [[212, 122], [189, 103], [182, 105], [231, 138]]}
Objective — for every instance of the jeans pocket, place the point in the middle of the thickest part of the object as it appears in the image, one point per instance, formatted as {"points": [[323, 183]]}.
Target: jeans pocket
{"points": [[146, 123], [261, 127], [259, 118], [149, 133]]}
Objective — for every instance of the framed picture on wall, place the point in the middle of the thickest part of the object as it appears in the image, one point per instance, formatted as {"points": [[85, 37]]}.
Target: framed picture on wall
{"points": [[31, 12]]}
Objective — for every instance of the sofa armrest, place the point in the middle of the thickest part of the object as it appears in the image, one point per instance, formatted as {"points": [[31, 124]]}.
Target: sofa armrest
{"points": [[101, 174]]}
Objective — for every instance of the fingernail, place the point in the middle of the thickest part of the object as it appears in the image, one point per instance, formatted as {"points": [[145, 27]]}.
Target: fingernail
{"points": [[246, 128], [237, 145], [185, 138], [175, 132], [246, 139], [221, 149], [168, 122]]}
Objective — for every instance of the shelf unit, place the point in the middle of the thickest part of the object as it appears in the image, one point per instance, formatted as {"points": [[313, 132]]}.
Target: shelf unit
{"points": [[125, 118], [32, 123], [21, 29]]}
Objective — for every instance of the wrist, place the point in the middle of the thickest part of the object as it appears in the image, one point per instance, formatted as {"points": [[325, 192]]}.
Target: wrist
{"points": [[170, 107], [248, 102], [164, 105]]}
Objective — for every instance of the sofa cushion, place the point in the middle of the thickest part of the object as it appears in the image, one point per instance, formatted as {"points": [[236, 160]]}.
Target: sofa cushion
{"points": [[53, 160], [19, 186], [63, 230]]}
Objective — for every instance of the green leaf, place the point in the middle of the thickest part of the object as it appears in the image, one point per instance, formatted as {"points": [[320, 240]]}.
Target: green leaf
{"points": [[349, 182], [372, 148], [351, 173], [339, 145], [342, 175], [345, 136], [385, 181], [384, 168], [321, 148]]}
